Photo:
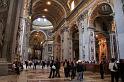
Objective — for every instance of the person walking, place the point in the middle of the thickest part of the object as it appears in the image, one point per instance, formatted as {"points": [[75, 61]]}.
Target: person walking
{"points": [[114, 70], [80, 70]]}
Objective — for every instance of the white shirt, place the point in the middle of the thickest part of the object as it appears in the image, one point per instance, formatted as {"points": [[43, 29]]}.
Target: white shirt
{"points": [[111, 66]]}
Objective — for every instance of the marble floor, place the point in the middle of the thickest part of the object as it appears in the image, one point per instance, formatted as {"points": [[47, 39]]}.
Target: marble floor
{"points": [[41, 75]]}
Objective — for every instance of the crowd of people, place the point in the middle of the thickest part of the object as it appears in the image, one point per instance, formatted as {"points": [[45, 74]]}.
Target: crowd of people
{"points": [[116, 70], [73, 68]]}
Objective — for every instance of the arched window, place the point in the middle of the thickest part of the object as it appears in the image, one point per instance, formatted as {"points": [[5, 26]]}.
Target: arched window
{"points": [[71, 4]]}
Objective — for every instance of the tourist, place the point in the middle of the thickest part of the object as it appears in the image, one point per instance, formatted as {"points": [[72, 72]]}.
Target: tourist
{"points": [[80, 70], [114, 70], [122, 70], [102, 69], [52, 69], [57, 64]]}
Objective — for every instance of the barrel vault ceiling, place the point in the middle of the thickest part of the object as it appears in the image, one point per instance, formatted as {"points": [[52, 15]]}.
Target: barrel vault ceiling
{"points": [[57, 10]]}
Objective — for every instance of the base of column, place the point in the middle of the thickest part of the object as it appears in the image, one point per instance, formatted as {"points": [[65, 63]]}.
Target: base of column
{"points": [[3, 67]]}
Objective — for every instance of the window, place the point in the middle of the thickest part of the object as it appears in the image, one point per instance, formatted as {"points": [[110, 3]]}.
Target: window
{"points": [[72, 5]]}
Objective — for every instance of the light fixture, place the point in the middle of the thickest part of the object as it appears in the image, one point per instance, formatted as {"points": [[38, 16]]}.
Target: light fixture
{"points": [[38, 19], [44, 19], [45, 10], [96, 36], [29, 17], [48, 3], [43, 16]]}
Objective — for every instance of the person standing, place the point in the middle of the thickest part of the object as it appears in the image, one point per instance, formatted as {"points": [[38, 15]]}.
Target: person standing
{"points": [[66, 70], [73, 70], [26, 63], [80, 70], [57, 65], [122, 70], [17, 68], [101, 66], [114, 70], [52, 69]]}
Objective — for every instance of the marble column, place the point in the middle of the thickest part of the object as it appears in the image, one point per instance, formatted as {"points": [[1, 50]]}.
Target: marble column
{"points": [[10, 25], [81, 45], [70, 43], [91, 45], [8, 35], [66, 44], [84, 37], [119, 18], [114, 46], [16, 34]]}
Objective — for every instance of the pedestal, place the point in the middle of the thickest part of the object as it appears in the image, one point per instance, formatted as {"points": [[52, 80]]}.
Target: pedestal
{"points": [[3, 67]]}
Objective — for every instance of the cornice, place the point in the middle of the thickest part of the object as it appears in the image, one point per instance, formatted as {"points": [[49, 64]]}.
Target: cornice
{"points": [[78, 10]]}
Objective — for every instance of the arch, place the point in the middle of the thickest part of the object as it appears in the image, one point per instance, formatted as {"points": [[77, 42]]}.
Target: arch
{"points": [[101, 18], [50, 18], [93, 11], [56, 2], [40, 31], [74, 33]]}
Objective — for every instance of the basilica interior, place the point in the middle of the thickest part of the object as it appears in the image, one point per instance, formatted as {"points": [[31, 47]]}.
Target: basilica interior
{"points": [[87, 30]]}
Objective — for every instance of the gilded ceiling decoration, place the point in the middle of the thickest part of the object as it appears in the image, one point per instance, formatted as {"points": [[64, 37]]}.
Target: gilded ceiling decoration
{"points": [[37, 38]]}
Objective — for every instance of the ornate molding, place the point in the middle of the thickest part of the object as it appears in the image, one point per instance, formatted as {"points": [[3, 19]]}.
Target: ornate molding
{"points": [[82, 16], [4, 5]]}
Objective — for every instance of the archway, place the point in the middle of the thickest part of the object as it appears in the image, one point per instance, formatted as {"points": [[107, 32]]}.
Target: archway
{"points": [[35, 42], [103, 23], [75, 42]]}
